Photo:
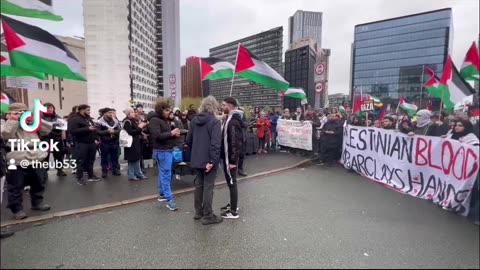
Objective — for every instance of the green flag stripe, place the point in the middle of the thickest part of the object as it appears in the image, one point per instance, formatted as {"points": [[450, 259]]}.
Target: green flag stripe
{"points": [[221, 74], [39, 64], [8, 71], [264, 80], [9, 8]]}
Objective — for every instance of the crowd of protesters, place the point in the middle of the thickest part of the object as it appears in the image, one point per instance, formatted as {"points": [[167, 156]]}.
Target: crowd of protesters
{"points": [[203, 138]]}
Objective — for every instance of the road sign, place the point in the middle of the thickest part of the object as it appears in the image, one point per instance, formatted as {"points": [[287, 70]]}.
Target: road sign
{"points": [[173, 79], [320, 69], [319, 87]]}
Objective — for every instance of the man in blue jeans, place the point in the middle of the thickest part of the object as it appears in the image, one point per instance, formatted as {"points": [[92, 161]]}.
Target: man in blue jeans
{"points": [[273, 118], [163, 142]]}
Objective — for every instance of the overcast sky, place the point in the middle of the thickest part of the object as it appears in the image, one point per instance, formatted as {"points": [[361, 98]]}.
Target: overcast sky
{"points": [[209, 23]]}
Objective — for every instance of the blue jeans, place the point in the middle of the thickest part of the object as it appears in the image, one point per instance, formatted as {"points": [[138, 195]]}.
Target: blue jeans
{"points": [[134, 170], [109, 156], [164, 161]]}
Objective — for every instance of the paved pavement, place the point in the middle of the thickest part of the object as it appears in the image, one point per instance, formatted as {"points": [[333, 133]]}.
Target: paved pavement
{"points": [[64, 193], [303, 218]]}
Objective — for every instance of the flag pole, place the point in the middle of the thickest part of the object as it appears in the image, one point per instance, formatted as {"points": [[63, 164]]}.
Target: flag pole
{"points": [[421, 86], [233, 77]]}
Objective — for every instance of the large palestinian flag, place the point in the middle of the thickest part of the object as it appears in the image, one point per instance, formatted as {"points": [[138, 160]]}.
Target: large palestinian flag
{"points": [[471, 65], [453, 87], [213, 68], [29, 8], [250, 67], [9, 71], [33, 48]]}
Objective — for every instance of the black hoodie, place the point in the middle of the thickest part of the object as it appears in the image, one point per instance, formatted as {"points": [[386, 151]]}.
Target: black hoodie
{"points": [[205, 140]]}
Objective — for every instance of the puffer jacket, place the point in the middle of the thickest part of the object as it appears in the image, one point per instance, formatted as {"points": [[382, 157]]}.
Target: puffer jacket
{"points": [[160, 133], [234, 138]]}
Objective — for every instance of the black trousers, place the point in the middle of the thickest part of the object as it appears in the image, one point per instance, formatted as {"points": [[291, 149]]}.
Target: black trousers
{"points": [[328, 153], [204, 185], [241, 159], [85, 155], [231, 178], [57, 155], [18, 179]]}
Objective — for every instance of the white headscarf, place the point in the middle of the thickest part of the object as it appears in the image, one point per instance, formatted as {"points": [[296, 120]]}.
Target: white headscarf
{"points": [[423, 118]]}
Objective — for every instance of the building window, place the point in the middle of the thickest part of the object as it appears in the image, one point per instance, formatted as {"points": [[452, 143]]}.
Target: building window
{"points": [[40, 85], [46, 76], [53, 87], [47, 87]]}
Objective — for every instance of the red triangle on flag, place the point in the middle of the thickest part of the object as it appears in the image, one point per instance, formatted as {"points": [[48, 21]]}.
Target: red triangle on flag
{"points": [[447, 71], [244, 60], [2, 59], [205, 68], [11, 38]]}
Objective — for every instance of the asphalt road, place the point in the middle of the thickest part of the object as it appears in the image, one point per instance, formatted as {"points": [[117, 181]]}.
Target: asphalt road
{"points": [[304, 218], [63, 193]]}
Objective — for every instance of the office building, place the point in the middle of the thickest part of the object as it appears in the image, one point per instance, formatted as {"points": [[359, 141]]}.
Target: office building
{"points": [[389, 55], [191, 81], [268, 47], [299, 72], [305, 25], [337, 100], [125, 51], [63, 94]]}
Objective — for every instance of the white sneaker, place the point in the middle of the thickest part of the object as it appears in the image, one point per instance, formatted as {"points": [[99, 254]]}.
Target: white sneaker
{"points": [[26, 188], [178, 177], [230, 215]]}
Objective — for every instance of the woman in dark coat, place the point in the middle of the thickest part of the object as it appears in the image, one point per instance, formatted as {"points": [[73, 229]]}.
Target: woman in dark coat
{"points": [[133, 154], [331, 140]]}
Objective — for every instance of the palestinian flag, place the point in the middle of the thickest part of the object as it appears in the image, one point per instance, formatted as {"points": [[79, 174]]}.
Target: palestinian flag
{"points": [[213, 68], [5, 103], [411, 109], [453, 86], [296, 93], [33, 48], [9, 71], [29, 8], [248, 66], [433, 84], [471, 65]]}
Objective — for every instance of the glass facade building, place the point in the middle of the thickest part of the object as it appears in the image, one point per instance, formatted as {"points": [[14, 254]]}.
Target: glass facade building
{"points": [[305, 24], [388, 56], [299, 72], [268, 47]]}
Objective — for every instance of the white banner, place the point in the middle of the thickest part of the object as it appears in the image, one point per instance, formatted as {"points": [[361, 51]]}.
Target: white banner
{"points": [[28, 83], [431, 168], [295, 134]]}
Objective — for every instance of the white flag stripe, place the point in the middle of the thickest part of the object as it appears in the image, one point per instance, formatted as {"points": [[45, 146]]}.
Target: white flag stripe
{"points": [[50, 52], [221, 66], [264, 69], [32, 4]]}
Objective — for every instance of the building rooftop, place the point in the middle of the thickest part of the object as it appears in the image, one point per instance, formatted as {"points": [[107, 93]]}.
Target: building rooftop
{"points": [[246, 38], [406, 16]]}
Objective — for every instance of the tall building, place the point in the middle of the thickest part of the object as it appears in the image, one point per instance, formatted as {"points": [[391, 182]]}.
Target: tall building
{"points": [[191, 81], [63, 94], [125, 51], [268, 47], [305, 24], [299, 72], [389, 55]]}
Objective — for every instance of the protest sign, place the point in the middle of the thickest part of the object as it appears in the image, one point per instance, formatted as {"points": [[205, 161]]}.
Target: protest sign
{"points": [[295, 134]]}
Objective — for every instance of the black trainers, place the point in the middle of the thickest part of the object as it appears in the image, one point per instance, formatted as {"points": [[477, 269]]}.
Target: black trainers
{"points": [[61, 173], [197, 216], [225, 208], [81, 181], [4, 235], [104, 174], [94, 178], [41, 207], [230, 215], [117, 173], [212, 220]]}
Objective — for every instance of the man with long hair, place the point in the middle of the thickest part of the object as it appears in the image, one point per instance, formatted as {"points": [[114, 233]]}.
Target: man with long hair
{"points": [[204, 139]]}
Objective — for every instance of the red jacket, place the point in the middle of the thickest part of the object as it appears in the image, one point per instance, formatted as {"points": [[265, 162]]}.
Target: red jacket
{"points": [[261, 129]]}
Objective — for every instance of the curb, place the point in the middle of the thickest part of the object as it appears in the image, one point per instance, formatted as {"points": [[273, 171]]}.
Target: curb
{"points": [[99, 207]]}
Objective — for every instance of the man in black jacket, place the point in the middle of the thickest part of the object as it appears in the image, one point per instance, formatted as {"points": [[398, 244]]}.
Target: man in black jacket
{"points": [[232, 143], [205, 139], [241, 159], [109, 129], [84, 131]]}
